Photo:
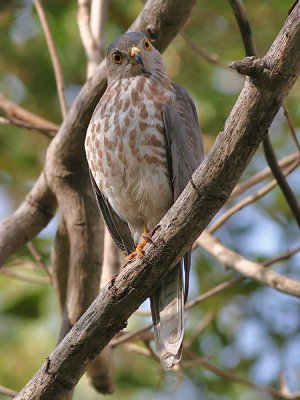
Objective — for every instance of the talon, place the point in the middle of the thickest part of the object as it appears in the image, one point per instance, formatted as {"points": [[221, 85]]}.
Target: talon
{"points": [[146, 238], [131, 255]]}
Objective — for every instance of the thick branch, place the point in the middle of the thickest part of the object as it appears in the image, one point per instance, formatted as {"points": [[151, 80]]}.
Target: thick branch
{"points": [[28, 220], [211, 186]]}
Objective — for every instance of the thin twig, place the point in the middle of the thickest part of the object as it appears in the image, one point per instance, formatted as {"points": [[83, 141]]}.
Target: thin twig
{"points": [[281, 257], [38, 258], [261, 175], [199, 329], [282, 182], [8, 392], [212, 58], [21, 124], [214, 291], [54, 57], [151, 351], [250, 199], [14, 111], [132, 347], [130, 335], [237, 279], [38, 280], [196, 360], [291, 126], [247, 268], [244, 26]]}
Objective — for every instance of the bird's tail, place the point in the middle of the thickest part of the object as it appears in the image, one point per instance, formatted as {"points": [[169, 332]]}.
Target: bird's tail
{"points": [[167, 307]]}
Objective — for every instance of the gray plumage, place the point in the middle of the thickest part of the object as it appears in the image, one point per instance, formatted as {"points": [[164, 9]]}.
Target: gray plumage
{"points": [[170, 108]]}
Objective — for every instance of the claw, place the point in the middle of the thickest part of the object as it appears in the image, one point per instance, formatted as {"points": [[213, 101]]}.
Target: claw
{"points": [[139, 248]]}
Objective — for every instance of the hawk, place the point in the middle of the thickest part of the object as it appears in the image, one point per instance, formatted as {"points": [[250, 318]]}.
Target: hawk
{"points": [[142, 145]]}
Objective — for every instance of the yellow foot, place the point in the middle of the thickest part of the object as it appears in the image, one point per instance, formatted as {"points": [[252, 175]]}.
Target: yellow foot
{"points": [[139, 248]]}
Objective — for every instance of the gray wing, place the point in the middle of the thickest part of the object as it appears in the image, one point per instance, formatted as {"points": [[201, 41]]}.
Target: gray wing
{"points": [[185, 153], [118, 228], [184, 139], [184, 148]]}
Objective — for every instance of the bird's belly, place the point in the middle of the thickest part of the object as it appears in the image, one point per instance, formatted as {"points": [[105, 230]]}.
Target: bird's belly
{"points": [[126, 152], [140, 193]]}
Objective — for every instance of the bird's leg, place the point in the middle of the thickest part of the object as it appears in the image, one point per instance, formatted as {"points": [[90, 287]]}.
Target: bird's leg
{"points": [[146, 238]]}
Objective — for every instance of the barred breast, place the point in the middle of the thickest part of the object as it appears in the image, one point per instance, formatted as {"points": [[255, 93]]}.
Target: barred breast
{"points": [[126, 152]]}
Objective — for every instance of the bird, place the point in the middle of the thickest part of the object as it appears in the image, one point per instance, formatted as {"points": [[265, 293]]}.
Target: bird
{"points": [[142, 145]]}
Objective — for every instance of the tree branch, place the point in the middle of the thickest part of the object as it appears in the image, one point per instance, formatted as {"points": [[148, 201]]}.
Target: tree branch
{"points": [[91, 17], [251, 198], [39, 260], [212, 58], [28, 220], [210, 187], [14, 111], [245, 29], [21, 124], [248, 268], [7, 392], [54, 57], [280, 178], [242, 187], [282, 393]]}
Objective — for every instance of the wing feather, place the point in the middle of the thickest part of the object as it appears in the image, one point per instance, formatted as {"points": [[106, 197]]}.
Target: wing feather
{"points": [[118, 228], [185, 153]]}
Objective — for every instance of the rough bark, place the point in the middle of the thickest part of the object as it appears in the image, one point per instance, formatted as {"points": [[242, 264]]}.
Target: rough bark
{"points": [[210, 187], [28, 220]]}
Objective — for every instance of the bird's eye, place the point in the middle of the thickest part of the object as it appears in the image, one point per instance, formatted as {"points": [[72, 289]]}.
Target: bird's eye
{"points": [[147, 45], [117, 58]]}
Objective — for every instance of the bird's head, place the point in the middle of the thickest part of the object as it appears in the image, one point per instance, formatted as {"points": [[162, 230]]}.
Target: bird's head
{"points": [[133, 54]]}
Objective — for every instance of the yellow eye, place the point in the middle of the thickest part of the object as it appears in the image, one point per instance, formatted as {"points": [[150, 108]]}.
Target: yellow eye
{"points": [[147, 44], [117, 58]]}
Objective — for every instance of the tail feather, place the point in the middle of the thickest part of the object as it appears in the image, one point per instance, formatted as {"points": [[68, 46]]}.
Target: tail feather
{"points": [[167, 307]]}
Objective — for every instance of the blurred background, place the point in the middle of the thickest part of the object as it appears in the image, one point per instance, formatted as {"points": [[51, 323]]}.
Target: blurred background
{"points": [[254, 332]]}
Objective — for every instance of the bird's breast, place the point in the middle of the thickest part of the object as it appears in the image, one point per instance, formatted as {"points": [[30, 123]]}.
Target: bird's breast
{"points": [[126, 147]]}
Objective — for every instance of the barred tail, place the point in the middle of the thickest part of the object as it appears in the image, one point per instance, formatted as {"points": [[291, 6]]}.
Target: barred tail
{"points": [[167, 307]]}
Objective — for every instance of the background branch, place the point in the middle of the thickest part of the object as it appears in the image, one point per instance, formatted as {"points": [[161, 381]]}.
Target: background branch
{"points": [[54, 56], [21, 124], [248, 268], [196, 361], [14, 111], [91, 18], [7, 392], [250, 199], [242, 187], [250, 50]]}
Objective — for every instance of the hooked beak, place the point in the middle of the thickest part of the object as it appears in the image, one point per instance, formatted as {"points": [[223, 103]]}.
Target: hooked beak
{"points": [[135, 53]]}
